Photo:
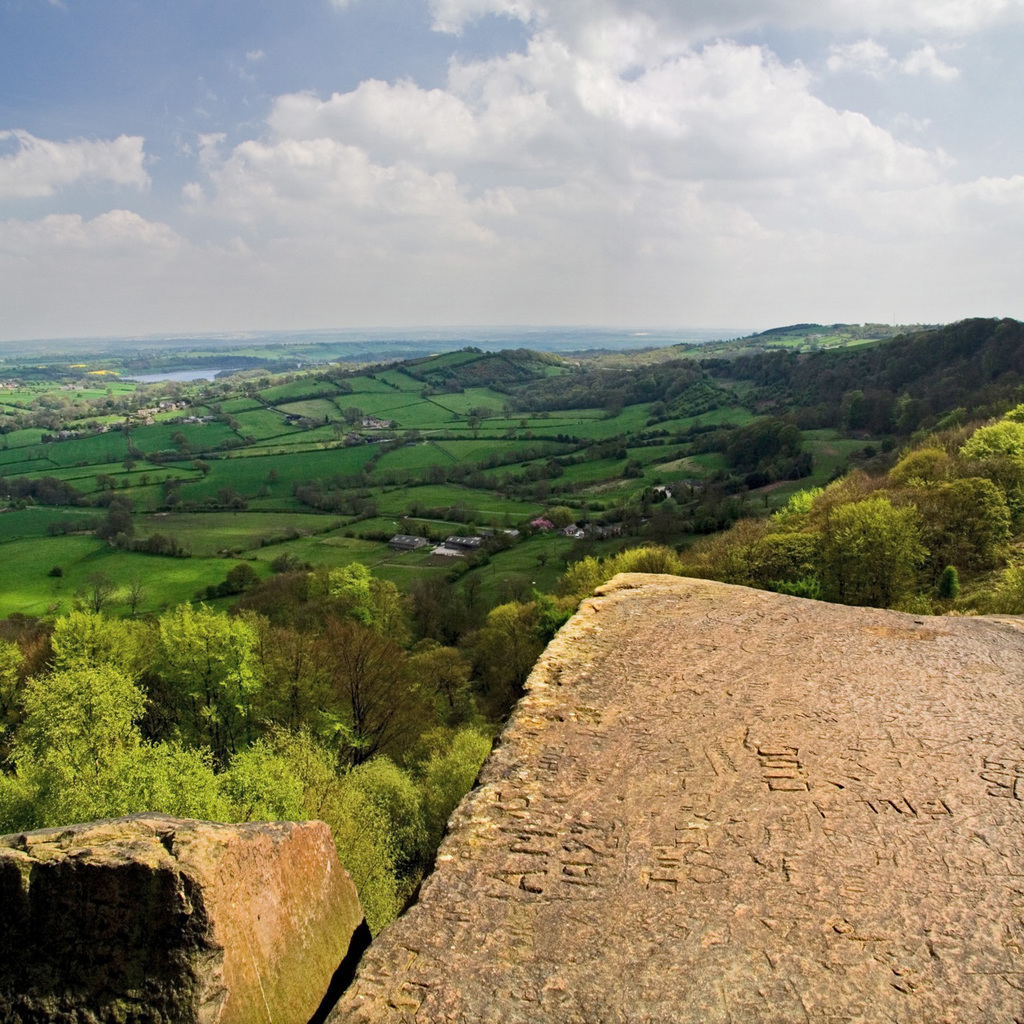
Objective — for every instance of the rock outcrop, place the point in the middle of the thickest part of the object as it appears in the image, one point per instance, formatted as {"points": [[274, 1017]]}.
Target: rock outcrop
{"points": [[159, 920], [716, 804]]}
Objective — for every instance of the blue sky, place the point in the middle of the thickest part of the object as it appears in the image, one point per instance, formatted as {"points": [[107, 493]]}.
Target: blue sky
{"points": [[217, 165]]}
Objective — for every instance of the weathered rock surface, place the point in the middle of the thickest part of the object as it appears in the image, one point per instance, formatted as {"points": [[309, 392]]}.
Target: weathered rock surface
{"points": [[158, 920], [716, 804]]}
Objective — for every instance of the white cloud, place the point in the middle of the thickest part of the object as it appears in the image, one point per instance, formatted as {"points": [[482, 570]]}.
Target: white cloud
{"points": [[453, 15], [40, 167], [618, 169], [574, 183], [727, 16], [872, 58], [865, 55], [926, 61], [116, 231]]}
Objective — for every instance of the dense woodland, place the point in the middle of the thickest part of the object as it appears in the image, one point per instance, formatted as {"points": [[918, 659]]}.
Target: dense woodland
{"points": [[310, 672]]}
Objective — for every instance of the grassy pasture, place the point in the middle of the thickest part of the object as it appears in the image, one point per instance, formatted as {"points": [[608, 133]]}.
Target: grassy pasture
{"points": [[202, 437], [331, 550], [23, 438], [208, 533], [399, 501], [84, 477], [364, 386], [14, 466], [591, 471], [734, 415], [28, 587], [312, 439], [410, 410], [233, 406], [245, 473], [830, 453], [400, 381], [108, 447], [312, 408], [470, 398], [706, 463], [262, 423], [445, 359], [443, 453], [630, 420], [17, 523], [303, 387], [523, 562]]}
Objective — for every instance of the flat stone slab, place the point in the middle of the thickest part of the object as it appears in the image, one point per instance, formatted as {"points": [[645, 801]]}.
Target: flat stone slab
{"points": [[723, 805], [159, 920]]}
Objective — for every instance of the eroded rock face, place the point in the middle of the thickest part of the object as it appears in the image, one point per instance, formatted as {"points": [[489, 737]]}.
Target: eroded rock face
{"points": [[716, 804], [158, 920]]}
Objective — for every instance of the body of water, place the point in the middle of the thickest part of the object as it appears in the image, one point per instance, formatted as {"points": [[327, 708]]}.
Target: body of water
{"points": [[182, 375]]}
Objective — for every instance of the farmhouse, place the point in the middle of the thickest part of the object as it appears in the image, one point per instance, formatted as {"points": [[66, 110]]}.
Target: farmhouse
{"points": [[446, 552], [406, 542], [458, 547], [464, 543]]}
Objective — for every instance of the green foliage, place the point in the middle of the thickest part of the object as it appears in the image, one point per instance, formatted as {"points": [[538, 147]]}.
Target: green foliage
{"points": [[209, 664], [504, 650], [11, 662], [444, 673], [949, 583], [393, 794], [964, 522], [779, 560], [373, 811], [650, 559], [794, 514], [763, 443], [808, 587], [582, 578], [446, 767], [1008, 596], [80, 714], [262, 785], [560, 516], [871, 552], [368, 682], [999, 439], [372, 602], [368, 848], [922, 466], [84, 638], [79, 756]]}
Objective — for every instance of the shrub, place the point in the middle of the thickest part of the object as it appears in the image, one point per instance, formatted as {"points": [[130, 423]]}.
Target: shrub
{"points": [[949, 583]]}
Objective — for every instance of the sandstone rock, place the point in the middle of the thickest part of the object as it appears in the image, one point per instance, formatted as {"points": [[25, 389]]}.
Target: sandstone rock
{"points": [[716, 804], [158, 920]]}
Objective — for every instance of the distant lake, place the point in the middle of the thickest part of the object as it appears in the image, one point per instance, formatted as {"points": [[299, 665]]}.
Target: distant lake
{"points": [[183, 375]]}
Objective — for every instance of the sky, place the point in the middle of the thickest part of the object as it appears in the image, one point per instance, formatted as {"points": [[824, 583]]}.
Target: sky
{"points": [[175, 166]]}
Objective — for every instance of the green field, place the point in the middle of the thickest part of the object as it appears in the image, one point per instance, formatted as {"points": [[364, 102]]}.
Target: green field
{"points": [[303, 387], [29, 589], [213, 533], [246, 473], [400, 501], [261, 424], [232, 485]]}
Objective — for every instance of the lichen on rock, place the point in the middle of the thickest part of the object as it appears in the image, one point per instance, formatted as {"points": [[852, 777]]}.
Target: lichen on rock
{"points": [[157, 920]]}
